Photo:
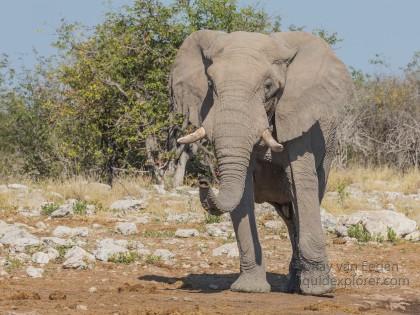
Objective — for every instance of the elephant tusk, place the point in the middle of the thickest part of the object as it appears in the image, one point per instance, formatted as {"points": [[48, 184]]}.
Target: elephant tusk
{"points": [[199, 134], [271, 142]]}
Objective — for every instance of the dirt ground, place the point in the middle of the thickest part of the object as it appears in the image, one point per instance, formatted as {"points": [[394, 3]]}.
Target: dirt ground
{"points": [[188, 288]]}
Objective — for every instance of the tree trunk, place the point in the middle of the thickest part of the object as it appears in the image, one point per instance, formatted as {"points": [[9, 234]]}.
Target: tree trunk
{"points": [[188, 152]]}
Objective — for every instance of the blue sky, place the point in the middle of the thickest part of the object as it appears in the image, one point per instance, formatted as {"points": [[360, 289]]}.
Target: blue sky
{"points": [[390, 28]]}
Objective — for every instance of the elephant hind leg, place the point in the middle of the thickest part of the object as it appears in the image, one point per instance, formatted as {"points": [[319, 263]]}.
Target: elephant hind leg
{"points": [[286, 213]]}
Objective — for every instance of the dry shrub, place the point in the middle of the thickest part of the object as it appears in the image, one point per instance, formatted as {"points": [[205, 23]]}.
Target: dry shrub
{"points": [[381, 127]]}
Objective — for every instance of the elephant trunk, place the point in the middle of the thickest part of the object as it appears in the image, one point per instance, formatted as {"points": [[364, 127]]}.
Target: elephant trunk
{"points": [[233, 141], [232, 184]]}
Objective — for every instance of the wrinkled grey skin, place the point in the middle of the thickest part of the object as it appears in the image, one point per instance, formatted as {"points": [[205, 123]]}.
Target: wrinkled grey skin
{"points": [[237, 85]]}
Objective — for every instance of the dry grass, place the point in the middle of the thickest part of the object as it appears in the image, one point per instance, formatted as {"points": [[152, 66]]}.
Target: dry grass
{"points": [[340, 202], [84, 189], [11, 201], [93, 192], [376, 181], [7, 203], [380, 179], [349, 205]]}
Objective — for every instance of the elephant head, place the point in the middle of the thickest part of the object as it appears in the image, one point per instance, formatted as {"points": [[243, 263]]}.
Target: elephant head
{"points": [[231, 86]]}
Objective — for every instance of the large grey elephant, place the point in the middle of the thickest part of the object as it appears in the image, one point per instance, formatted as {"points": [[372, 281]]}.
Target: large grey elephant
{"points": [[270, 104]]}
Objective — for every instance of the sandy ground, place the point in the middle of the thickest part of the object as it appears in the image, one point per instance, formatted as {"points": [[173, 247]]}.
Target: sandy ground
{"points": [[390, 273]]}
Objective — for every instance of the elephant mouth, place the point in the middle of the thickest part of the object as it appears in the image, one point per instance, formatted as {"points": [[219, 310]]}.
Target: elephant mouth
{"points": [[233, 168]]}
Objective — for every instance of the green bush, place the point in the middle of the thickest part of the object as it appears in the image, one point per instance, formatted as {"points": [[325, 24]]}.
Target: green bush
{"points": [[212, 219], [391, 235], [80, 207], [49, 208], [359, 232], [62, 250], [342, 193], [124, 258]]}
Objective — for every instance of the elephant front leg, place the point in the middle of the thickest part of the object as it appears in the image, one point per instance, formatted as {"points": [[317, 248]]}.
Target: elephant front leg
{"points": [[310, 270], [252, 276]]}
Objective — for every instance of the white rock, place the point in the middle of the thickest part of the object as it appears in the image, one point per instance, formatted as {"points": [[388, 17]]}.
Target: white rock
{"points": [[341, 229], [128, 204], [328, 221], [230, 249], [56, 241], [92, 290], [77, 258], [186, 233], [222, 229], [18, 187], [377, 228], [126, 228], [378, 222], [274, 225], [34, 272], [65, 231], [262, 208], [16, 236], [41, 258], [52, 253], [30, 213], [81, 307], [393, 195], [64, 210], [135, 245], [413, 236], [90, 209], [184, 217], [108, 247], [164, 254]]}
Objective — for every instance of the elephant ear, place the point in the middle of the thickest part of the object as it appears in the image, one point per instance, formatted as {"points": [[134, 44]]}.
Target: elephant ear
{"points": [[188, 80], [317, 85]]}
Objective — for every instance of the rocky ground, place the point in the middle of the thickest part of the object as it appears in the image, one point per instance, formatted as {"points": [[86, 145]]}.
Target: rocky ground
{"points": [[156, 252]]}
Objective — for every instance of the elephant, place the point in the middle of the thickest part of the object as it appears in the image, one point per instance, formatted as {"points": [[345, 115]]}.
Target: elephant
{"points": [[270, 104]]}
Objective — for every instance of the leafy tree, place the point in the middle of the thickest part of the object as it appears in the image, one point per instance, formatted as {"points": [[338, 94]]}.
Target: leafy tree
{"points": [[116, 112]]}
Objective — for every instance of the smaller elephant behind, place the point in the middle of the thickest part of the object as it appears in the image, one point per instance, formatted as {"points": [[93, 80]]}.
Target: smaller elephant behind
{"points": [[270, 105]]}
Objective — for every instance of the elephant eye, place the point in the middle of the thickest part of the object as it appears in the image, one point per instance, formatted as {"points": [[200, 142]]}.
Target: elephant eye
{"points": [[210, 84], [268, 88]]}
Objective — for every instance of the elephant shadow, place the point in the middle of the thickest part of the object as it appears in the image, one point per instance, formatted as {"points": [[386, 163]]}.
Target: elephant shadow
{"points": [[214, 283]]}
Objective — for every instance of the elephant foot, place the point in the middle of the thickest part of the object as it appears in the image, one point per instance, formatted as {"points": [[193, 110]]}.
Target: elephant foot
{"points": [[251, 282], [311, 281]]}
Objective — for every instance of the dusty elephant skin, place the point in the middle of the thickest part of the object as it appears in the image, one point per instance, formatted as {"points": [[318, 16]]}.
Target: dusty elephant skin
{"points": [[253, 95]]}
